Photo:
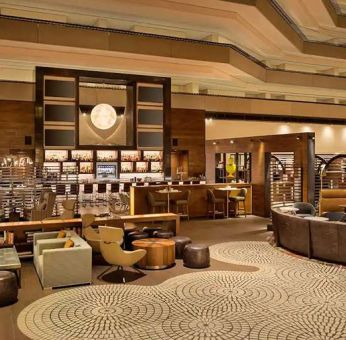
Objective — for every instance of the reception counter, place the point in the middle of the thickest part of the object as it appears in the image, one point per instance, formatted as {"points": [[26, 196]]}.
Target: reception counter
{"points": [[198, 199]]}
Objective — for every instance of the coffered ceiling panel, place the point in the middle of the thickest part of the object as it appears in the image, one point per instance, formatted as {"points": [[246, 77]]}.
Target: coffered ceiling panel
{"points": [[255, 45]]}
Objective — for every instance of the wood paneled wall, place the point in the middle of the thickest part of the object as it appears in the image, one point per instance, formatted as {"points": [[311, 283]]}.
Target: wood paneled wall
{"points": [[302, 144], [188, 127], [16, 122]]}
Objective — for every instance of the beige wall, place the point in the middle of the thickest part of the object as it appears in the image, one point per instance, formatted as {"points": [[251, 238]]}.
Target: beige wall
{"points": [[329, 138]]}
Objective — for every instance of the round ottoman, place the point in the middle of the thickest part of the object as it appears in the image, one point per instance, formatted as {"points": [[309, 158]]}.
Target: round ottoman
{"points": [[160, 253], [135, 235], [196, 256], [163, 234], [8, 288], [180, 243], [151, 230]]}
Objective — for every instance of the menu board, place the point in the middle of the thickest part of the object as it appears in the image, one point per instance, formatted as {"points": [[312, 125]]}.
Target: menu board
{"points": [[132, 155], [141, 167], [82, 155], [150, 117], [148, 94], [150, 139], [86, 168], [156, 167], [59, 113], [152, 156], [107, 155], [59, 88], [56, 155], [59, 137], [126, 167]]}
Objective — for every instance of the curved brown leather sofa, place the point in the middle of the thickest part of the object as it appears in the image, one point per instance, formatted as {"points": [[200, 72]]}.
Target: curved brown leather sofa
{"points": [[325, 240]]}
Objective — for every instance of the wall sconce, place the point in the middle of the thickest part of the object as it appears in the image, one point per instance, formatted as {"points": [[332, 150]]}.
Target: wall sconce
{"points": [[231, 141]]}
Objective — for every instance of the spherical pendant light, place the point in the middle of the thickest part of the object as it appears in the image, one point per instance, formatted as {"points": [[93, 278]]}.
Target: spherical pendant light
{"points": [[103, 116]]}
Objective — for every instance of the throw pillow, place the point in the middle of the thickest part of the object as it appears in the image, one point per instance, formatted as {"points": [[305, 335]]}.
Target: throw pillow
{"points": [[61, 234], [69, 244]]}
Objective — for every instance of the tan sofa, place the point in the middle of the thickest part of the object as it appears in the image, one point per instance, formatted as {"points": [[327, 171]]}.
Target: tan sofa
{"points": [[331, 199], [57, 266]]}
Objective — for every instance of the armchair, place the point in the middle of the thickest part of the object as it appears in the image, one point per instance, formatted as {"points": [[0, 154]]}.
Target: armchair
{"points": [[49, 236], [57, 266], [114, 254], [69, 206], [43, 209]]}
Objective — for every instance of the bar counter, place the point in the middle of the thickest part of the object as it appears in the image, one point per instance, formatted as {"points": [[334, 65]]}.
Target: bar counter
{"points": [[198, 199]]}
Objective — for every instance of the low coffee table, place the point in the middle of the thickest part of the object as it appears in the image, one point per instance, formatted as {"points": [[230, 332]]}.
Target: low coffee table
{"points": [[9, 260], [160, 253]]}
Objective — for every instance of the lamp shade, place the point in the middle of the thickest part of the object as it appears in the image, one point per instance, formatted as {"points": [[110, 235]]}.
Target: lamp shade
{"points": [[103, 116]]}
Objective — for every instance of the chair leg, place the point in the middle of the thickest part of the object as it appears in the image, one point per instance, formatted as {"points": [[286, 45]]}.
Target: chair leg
{"points": [[104, 272], [187, 212], [121, 270], [137, 270], [244, 208], [214, 210]]}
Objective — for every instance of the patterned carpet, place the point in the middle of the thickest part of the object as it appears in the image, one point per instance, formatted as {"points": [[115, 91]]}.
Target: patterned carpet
{"points": [[287, 298]]}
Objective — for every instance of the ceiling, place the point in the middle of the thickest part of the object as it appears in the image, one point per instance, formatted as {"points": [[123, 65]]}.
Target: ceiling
{"points": [[295, 35]]}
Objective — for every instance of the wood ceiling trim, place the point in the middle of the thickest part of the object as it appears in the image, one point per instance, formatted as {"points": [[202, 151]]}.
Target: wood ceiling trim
{"points": [[69, 35], [275, 14], [335, 13]]}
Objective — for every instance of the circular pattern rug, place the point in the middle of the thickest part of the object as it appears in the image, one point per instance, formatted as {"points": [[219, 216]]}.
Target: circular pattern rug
{"points": [[287, 298]]}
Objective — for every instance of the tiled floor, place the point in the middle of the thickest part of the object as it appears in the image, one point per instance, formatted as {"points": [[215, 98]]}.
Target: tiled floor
{"points": [[206, 231]]}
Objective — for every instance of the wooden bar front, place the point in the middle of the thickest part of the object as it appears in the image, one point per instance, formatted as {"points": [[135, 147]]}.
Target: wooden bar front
{"points": [[55, 224], [198, 199]]}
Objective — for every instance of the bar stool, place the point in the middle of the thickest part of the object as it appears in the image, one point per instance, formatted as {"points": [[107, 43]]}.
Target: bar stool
{"points": [[60, 190], [88, 191], [156, 204], [124, 201], [115, 188], [240, 198], [215, 202], [74, 190], [114, 198], [127, 186], [101, 194], [74, 193], [182, 204]]}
